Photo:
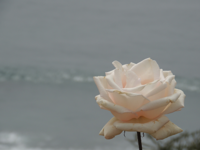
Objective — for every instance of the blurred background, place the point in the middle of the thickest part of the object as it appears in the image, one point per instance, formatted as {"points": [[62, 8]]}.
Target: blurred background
{"points": [[50, 50]]}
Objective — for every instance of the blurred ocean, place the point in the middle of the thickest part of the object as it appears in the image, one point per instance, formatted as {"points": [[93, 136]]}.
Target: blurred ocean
{"points": [[50, 50]]}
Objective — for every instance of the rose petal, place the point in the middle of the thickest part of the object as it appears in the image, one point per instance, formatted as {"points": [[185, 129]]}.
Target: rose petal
{"points": [[126, 116], [118, 77], [119, 112], [156, 70], [110, 106], [132, 80], [154, 88], [128, 66], [165, 89], [117, 65], [111, 83], [118, 74], [161, 102], [137, 89], [167, 130], [171, 87], [169, 78], [155, 113], [101, 84], [147, 70], [167, 73], [109, 73], [161, 75], [178, 104], [142, 124], [128, 100], [155, 109], [109, 131]]}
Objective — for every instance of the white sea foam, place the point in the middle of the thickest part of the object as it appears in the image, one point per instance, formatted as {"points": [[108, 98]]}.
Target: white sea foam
{"points": [[16, 141]]}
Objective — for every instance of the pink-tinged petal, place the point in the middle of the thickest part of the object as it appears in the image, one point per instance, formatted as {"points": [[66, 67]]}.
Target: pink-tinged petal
{"points": [[132, 80], [109, 131], [156, 70], [101, 84], [128, 66], [171, 87], [155, 113], [161, 75], [176, 106], [128, 100], [118, 77], [118, 74], [167, 130], [153, 88], [166, 88], [110, 106], [111, 82], [137, 89], [155, 109], [142, 124], [124, 116], [156, 88], [117, 64], [109, 73], [119, 112], [167, 73], [161, 102], [169, 78], [147, 70]]}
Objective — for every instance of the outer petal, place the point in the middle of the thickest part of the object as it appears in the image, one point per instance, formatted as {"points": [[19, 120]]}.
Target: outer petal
{"points": [[159, 129], [111, 82], [165, 88], [155, 109], [109, 73], [118, 75], [154, 88], [110, 106], [119, 112], [117, 64], [161, 75], [128, 100], [178, 104], [167, 73], [124, 116], [127, 67], [147, 70], [109, 131], [171, 87], [167, 130], [101, 84], [142, 124]]}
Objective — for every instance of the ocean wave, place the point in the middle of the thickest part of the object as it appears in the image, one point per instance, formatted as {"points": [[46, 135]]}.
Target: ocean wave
{"points": [[63, 76], [42, 75]]}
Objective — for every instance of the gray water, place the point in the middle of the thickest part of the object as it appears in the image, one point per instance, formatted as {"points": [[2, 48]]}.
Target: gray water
{"points": [[50, 50]]}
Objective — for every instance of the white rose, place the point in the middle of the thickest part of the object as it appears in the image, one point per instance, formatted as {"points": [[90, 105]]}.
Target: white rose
{"points": [[138, 95]]}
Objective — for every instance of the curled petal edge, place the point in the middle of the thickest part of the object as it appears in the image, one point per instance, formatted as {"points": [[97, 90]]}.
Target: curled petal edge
{"points": [[159, 129], [119, 112], [167, 130], [152, 110]]}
